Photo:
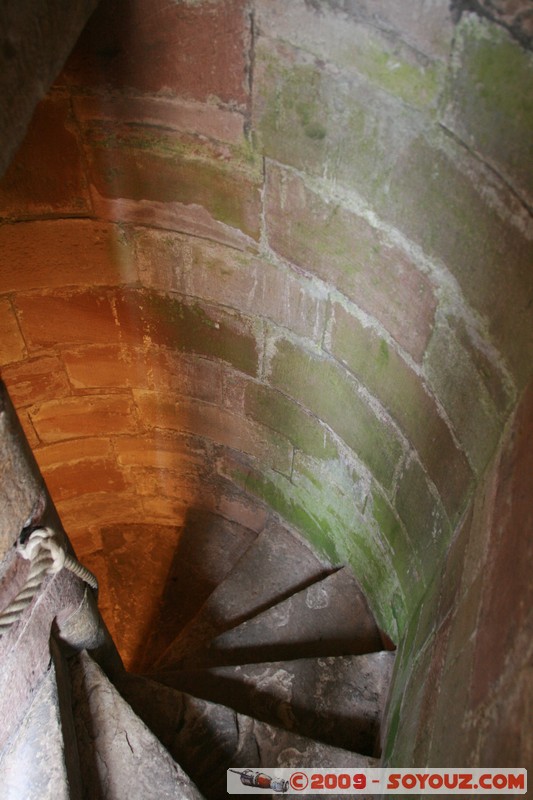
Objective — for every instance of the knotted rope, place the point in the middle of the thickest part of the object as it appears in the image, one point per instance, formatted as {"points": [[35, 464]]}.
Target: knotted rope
{"points": [[47, 557]]}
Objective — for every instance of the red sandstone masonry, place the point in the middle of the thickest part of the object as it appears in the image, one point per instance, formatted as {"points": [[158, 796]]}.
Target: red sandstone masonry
{"points": [[200, 119], [84, 477], [66, 252], [220, 274], [36, 380], [72, 417], [340, 247], [12, 346], [47, 175], [219, 425], [196, 51]]}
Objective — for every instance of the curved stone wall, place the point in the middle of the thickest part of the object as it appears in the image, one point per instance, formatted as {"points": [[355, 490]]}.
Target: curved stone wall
{"points": [[271, 257]]}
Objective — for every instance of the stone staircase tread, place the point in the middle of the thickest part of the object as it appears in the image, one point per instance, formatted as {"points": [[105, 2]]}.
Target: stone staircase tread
{"points": [[275, 566], [329, 617], [118, 752], [207, 738], [338, 700], [208, 549]]}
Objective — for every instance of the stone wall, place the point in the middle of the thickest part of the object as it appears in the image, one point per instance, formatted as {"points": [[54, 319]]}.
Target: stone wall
{"points": [[272, 257]]}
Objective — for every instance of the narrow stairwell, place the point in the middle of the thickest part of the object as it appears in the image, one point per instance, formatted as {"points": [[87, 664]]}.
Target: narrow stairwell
{"points": [[279, 664]]}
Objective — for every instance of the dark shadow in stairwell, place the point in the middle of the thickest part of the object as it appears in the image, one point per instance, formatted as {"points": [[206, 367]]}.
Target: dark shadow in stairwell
{"points": [[342, 709], [208, 547]]}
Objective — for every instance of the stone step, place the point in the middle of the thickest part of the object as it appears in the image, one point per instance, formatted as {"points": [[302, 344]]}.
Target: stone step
{"points": [[276, 565], [329, 618], [36, 763], [338, 700], [207, 738], [120, 757], [209, 546]]}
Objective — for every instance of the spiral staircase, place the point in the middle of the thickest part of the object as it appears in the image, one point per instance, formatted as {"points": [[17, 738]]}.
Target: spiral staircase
{"points": [[282, 665]]}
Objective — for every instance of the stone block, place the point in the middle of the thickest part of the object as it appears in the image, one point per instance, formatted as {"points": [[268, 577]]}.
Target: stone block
{"points": [[195, 50], [423, 516], [160, 450], [69, 452], [354, 42], [486, 99], [12, 345], [460, 213], [66, 252], [302, 376], [172, 113], [47, 175], [83, 477], [404, 557], [405, 395], [218, 425], [67, 317], [424, 24], [196, 328], [153, 177], [462, 391], [342, 248], [36, 380], [171, 262], [95, 415], [326, 123], [275, 410]]}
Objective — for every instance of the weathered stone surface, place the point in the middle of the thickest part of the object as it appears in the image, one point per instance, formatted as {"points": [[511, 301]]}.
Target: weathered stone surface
{"points": [[351, 39], [73, 417], [157, 177], [302, 376], [337, 700], [486, 101], [224, 275], [64, 252], [12, 345], [211, 60], [36, 380], [331, 617], [207, 549], [120, 757], [289, 565], [37, 40], [407, 398], [277, 411], [309, 117], [47, 176], [207, 739], [33, 765], [22, 492], [217, 424], [342, 248]]}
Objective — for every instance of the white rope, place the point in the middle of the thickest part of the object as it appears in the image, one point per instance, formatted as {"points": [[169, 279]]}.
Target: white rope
{"points": [[47, 557]]}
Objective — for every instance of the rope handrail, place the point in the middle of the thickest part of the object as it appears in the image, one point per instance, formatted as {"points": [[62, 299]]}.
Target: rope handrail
{"points": [[47, 557]]}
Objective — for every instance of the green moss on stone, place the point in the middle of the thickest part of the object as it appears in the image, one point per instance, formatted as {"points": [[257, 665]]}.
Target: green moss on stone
{"points": [[304, 377], [276, 411], [195, 329]]}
